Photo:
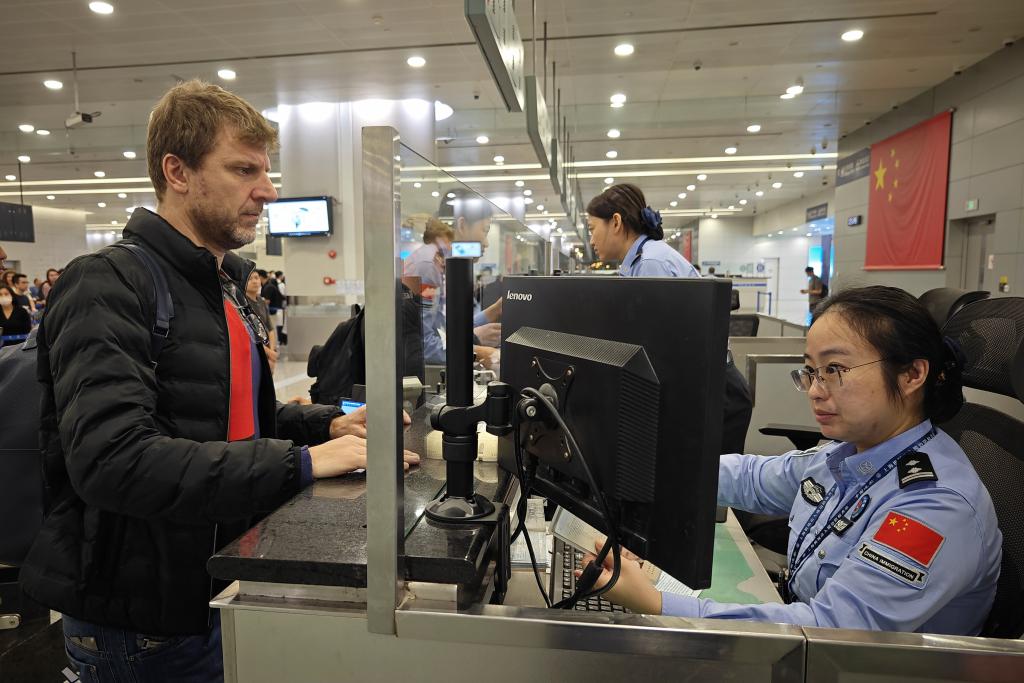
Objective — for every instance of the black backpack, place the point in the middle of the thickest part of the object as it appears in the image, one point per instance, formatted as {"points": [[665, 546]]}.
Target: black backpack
{"points": [[340, 363], [22, 490]]}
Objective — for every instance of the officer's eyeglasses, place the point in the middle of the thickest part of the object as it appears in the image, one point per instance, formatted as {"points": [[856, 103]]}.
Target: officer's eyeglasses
{"points": [[241, 304], [827, 375]]}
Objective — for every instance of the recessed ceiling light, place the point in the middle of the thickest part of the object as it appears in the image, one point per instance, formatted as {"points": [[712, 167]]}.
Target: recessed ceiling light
{"points": [[450, 195], [611, 154], [681, 195], [540, 207], [11, 177], [673, 203], [754, 128], [102, 205], [128, 154], [691, 187], [24, 158], [442, 110], [435, 193], [624, 49], [527, 193], [853, 35], [731, 150], [759, 193], [520, 183], [528, 200], [50, 197], [122, 195], [807, 235], [779, 232], [776, 185], [227, 74], [702, 177], [53, 84], [714, 215], [795, 89], [416, 62], [743, 202], [26, 127], [482, 139], [617, 105], [101, 7], [498, 159], [609, 181], [798, 174], [113, 222], [42, 131], [795, 229], [786, 96], [417, 185], [614, 133], [732, 207], [618, 98], [99, 174]]}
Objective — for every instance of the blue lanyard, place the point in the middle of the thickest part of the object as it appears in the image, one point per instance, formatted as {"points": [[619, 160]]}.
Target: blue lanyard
{"points": [[639, 252], [794, 563]]}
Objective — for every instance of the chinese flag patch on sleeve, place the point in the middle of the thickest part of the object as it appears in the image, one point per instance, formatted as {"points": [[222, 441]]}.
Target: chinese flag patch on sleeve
{"points": [[910, 537]]}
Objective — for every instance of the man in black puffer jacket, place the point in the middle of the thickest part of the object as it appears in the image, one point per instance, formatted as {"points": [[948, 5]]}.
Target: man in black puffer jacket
{"points": [[152, 463]]}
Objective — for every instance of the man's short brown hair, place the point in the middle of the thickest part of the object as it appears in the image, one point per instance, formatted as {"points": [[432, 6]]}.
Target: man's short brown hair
{"points": [[186, 121], [437, 228]]}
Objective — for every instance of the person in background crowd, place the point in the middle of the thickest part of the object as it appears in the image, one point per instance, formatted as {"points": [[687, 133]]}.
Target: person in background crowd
{"points": [[711, 271], [14, 319], [34, 289], [8, 279], [22, 296], [275, 301], [279, 276], [815, 289], [427, 262], [259, 307], [51, 278]]}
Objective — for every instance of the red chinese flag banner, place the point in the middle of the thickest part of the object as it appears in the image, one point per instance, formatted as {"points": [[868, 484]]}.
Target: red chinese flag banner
{"points": [[915, 540], [688, 245], [907, 202]]}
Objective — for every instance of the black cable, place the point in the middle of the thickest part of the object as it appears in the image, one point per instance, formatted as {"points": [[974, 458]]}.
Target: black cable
{"points": [[522, 507], [612, 543]]}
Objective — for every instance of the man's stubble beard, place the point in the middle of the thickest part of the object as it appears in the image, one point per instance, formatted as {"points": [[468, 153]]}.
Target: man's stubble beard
{"points": [[220, 227]]}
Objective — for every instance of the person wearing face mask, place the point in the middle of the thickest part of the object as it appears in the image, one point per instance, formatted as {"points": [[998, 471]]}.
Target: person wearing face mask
{"points": [[890, 527], [624, 228], [14, 319]]}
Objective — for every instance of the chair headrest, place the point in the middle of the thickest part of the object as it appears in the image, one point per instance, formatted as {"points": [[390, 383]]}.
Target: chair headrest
{"points": [[991, 334]]}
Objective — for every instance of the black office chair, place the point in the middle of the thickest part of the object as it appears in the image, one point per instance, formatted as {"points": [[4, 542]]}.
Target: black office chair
{"points": [[743, 325], [943, 302], [991, 334]]}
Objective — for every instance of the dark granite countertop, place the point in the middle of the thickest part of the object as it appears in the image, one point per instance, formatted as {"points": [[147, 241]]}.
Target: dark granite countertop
{"points": [[319, 536]]}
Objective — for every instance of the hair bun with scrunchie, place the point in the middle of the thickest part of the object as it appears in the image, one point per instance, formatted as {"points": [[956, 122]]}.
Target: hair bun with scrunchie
{"points": [[652, 222]]}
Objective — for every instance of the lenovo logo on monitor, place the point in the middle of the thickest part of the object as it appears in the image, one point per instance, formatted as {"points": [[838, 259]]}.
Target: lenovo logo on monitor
{"points": [[518, 296]]}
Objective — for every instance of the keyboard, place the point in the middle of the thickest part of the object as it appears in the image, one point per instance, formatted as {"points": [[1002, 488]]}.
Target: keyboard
{"points": [[565, 561]]}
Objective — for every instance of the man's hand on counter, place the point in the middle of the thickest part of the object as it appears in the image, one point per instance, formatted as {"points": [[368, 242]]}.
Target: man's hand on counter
{"points": [[354, 424], [345, 454]]}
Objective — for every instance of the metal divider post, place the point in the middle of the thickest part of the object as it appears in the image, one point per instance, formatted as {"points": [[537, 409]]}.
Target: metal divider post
{"points": [[385, 539]]}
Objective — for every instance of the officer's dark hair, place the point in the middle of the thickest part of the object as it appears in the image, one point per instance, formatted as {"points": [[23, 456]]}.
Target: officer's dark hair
{"points": [[901, 330], [808, 269], [628, 201], [261, 272], [465, 204], [279, 274]]}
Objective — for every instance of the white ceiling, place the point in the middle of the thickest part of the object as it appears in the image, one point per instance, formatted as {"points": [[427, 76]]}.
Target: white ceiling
{"points": [[307, 50]]}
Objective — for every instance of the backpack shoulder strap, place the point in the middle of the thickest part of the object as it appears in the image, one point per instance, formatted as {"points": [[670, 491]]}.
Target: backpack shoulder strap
{"points": [[163, 305]]}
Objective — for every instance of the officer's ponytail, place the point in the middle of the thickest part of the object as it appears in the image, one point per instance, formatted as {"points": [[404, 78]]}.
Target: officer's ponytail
{"points": [[901, 331], [628, 201]]}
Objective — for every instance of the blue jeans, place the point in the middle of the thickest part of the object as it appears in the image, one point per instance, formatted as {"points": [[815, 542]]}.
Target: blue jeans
{"points": [[110, 655]]}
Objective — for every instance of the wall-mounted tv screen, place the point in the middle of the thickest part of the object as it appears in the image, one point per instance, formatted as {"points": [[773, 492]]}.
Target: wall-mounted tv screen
{"points": [[301, 217]]}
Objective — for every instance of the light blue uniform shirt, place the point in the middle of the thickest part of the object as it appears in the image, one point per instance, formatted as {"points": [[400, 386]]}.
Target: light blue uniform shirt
{"points": [[654, 258], [855, 580], [433, 318]]}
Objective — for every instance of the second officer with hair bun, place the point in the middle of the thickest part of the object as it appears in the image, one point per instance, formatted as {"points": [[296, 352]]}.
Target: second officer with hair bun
{"points": [[623, 228]]}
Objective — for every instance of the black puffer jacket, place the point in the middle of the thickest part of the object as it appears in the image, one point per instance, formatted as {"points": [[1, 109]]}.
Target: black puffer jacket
{"points": [[144, 485]]}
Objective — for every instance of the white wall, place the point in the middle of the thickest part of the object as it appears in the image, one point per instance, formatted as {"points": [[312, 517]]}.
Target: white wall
{"points": [[986, 163], [727, 240], [60, 237], [792, 254]]}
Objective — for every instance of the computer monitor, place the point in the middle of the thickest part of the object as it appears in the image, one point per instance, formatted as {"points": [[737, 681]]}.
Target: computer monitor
{"points": [[300, 217], [638, 367]]}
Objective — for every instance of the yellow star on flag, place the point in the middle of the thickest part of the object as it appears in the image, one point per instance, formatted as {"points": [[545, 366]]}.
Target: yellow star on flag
{"points": [[880, 176]]}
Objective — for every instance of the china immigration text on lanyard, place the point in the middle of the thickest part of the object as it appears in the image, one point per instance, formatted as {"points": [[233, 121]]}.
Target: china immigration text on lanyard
{"points": [[794, 563]]}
